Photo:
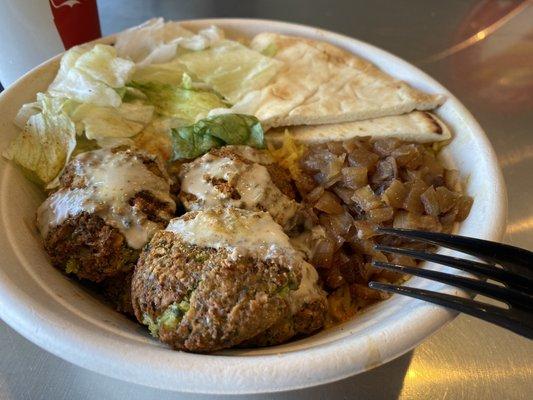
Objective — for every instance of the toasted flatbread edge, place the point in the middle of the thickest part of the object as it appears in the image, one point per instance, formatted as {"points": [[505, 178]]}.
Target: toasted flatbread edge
{"points": [[434, 131]]}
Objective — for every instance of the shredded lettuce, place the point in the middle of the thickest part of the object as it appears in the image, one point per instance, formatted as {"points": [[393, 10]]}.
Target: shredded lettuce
{"points": [[47, 141], [150, 42], [102, 64], [187, 104], [92, 75], [231, 68], [43, 100], [157, 41], [170, 73], [202, 40], [196, 139], [100, 123], [25, 112]]}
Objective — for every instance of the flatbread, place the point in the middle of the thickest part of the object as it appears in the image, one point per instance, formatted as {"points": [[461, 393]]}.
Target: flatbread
{"points": [[416, 126], [322, 84]]}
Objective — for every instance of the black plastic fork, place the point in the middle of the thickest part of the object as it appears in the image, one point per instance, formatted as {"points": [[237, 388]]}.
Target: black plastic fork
{"points": [[508, 265]]}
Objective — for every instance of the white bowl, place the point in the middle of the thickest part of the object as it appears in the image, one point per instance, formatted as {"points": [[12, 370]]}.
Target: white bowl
{"points": [[61, 316]]}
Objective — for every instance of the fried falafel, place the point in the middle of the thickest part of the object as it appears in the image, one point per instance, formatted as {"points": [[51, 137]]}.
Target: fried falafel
{"points": [[241, 177], [109, 204], [220, 277]]}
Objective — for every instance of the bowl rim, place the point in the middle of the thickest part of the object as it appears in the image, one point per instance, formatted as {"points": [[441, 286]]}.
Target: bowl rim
{"points": [[111, 357]]}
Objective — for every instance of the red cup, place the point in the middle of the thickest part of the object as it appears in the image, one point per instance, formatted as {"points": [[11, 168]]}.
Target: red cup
{"points": [[76, 21]]}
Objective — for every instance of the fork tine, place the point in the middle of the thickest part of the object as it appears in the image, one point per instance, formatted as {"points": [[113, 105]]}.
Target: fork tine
{"points": [[517, 259], [489, 271], [507, 295], [487, 312]]}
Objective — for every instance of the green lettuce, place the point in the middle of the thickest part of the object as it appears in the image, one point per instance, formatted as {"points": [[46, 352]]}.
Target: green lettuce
{"points": [[231, 68], [151, 42], [157, 41], [125, 121], [196, 139], [92, 75], [170, 73], [47, 141], [58, 104], [185, 103]]}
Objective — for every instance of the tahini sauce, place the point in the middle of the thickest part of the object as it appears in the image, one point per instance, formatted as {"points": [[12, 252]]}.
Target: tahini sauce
{"points": [[110, 181], [251, 181], [249, 233]]}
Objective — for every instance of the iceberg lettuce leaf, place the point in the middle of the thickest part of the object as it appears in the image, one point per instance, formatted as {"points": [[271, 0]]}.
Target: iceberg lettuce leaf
{"points": [[170, 73], [102, 123], [231, 68], [92, 75], [187, 104], [102, 64], [156, 41], [46, 142], [150, 42], [196, 139]]}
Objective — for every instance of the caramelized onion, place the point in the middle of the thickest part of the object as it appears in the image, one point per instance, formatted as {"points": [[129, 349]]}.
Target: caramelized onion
{"points": [[451, 179], [364, 229], [366, 198], [344, 193], [464, 204], [446, 198], [331, 172], [385, 147], [362, 158], [354, 177], [386, 171], [353, 187], [314, 194], [429, 200], [381, 214], [405, 154], [395, 194], [329, 203], [323, 253], [412, 202]]}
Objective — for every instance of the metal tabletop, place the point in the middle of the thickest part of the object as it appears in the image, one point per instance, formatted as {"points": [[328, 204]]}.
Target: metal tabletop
{"points": [[483, 52]]}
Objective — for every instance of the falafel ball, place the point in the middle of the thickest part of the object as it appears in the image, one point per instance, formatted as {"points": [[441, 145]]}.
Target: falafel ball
{"points": [[109, 203], [117, 291], [306, 321], [219, 277], [241, 177]]}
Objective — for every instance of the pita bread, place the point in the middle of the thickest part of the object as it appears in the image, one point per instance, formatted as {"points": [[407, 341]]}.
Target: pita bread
{"points": [[416, 126], [321, 84]]}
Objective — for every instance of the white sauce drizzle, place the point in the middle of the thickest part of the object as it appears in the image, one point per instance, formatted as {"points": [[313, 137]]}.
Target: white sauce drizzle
{"points": [[251, 181], [193, 180], [110, 181], [308, 290], [244, 232], [306, 241]]}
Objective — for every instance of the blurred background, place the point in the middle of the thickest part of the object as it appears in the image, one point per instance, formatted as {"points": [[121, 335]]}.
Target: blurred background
{"points": [[482, 51]]}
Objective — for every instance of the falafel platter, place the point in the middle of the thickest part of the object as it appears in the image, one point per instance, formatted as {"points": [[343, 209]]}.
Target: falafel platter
{"points": [[226, 193]]}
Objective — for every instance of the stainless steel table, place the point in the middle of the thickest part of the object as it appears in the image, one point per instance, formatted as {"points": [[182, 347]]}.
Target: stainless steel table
{"points": [[483, 52]]}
